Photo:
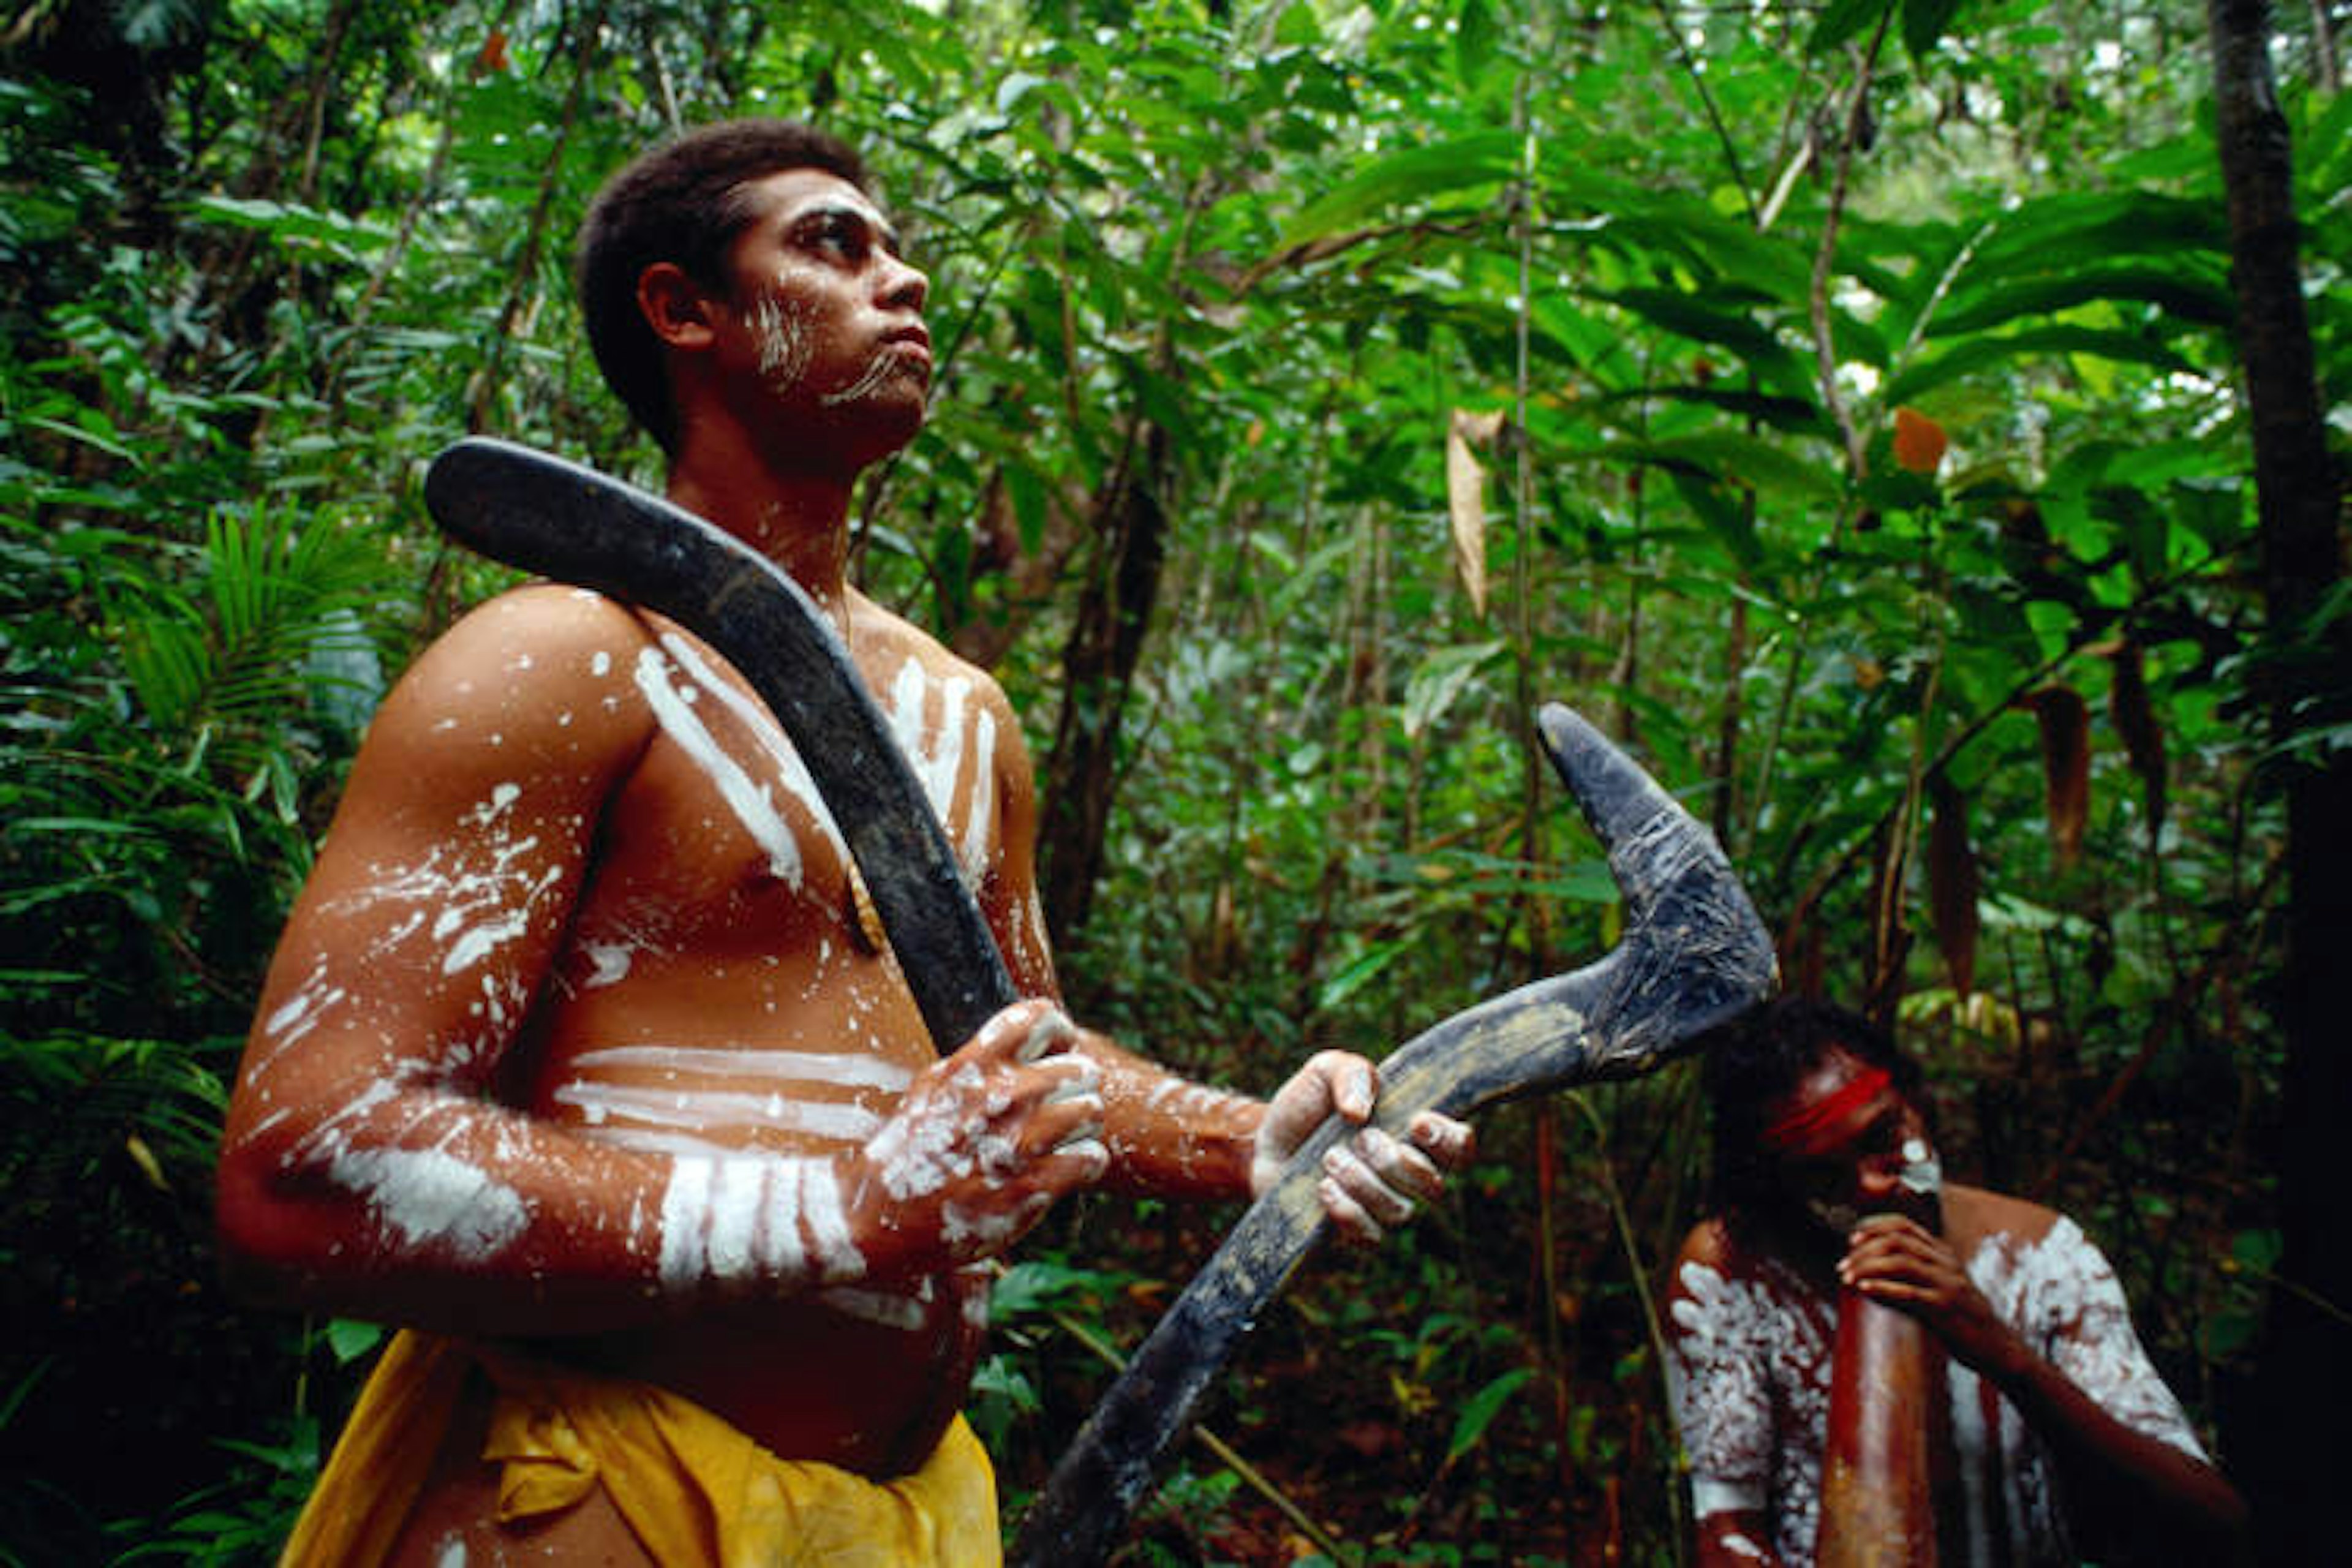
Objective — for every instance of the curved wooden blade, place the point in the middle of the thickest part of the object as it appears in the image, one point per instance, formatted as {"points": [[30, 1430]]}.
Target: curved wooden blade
{"points": [[1693, 955], [572, 523]]}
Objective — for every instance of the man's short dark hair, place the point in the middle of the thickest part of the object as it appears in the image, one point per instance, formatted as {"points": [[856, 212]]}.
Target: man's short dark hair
{"points": [[682, 202], [1758, 1059]]}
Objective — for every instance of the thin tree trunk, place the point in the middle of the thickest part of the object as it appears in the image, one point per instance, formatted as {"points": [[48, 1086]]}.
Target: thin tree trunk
{"points": [[2306, 1357], [1098, 665]]}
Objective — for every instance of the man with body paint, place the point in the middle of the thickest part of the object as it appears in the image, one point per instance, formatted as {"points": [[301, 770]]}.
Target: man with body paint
{"points": [[2064, 1435], [583, 1054]]}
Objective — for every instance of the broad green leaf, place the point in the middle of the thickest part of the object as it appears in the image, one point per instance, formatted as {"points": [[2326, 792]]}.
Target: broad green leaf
{"points": [[350, 1338], [289, 224], [1475, 39], [2181, 294], [1727, 455], [1977, 354], [1413, 174], [1687, 316]]}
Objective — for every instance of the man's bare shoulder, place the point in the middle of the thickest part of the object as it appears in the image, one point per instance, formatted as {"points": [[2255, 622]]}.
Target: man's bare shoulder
{"points": [[543, 654], [1972, 1214], [897, 640], [1710, 1245]]}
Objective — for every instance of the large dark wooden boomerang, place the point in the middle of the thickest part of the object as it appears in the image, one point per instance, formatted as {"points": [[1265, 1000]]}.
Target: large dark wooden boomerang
{"points": [[1693, 955], [573, 524]]}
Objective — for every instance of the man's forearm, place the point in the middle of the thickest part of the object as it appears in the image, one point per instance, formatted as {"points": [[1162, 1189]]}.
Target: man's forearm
{"points": [[2128, 1490], [1169, 1137]]}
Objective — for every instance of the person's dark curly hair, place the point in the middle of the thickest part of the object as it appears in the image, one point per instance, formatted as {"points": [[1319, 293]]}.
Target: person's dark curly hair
{"points": [[1756, 1060], [682, 202]]}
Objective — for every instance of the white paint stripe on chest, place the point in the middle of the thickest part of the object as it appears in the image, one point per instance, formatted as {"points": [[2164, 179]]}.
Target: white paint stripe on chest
{"points": [[748, 801], [848, 1068], [706, 1108], [792, 772]]}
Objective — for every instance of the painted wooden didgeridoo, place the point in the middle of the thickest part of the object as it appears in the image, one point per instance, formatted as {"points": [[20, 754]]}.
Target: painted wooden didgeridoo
{"points": [[1886, 1462], [1694, 955]]}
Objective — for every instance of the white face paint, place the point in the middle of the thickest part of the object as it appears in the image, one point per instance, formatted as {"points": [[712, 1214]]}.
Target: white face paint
{"points": [[781, 332], [887, 365]]}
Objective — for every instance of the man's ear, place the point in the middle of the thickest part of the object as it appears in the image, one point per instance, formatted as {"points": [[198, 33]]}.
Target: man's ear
{"points": [[676, 307]]}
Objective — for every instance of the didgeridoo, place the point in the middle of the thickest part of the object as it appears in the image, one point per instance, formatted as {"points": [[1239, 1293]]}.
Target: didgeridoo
{"points": [[1886, 1465]]}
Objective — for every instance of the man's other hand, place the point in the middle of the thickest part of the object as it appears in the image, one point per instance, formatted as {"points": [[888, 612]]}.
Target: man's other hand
{"points": [[987, 1139], [1370, 1182]]}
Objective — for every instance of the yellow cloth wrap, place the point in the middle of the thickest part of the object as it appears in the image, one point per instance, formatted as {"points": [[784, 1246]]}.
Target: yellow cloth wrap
{"points": [[693, 1488]]}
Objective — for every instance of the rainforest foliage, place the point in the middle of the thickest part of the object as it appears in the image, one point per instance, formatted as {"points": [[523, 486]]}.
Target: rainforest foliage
{"points": [[1841, 404]]}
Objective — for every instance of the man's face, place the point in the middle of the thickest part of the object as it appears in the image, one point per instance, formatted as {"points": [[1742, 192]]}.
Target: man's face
{"points": [[1845, 1143], [827, 319]]}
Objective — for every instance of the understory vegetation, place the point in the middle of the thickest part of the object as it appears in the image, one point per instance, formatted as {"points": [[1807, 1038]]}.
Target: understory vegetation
{"points": [[1842, 405]]}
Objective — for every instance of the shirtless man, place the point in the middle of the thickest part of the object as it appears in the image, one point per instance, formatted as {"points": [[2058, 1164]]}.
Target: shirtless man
{"points": [[579, 1044], [2064, 1436]]}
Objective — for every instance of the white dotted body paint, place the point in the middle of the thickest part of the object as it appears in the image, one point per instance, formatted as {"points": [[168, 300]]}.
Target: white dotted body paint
{"points": [[474, 909]]}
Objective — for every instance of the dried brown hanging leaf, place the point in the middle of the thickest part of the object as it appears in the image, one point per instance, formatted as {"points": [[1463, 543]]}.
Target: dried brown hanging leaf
{"points": [[1953, 882], [1919, 442], [2065, 767], [2135, 720], [1465, 498]]}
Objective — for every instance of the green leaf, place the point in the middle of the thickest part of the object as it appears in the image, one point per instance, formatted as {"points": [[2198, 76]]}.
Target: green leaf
{"points": [[293, 226], [350, 1338], [1843, 19], [1924, 25], [1968, 358], [1439, 680], [1476, 38], [2181, 294], [1414, 174], [1479, 1411], [1359, 970], [1728, 455]]}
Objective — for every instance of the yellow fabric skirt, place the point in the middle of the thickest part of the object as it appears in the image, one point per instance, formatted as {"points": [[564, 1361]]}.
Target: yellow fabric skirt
{"points": [[693, 1488]]}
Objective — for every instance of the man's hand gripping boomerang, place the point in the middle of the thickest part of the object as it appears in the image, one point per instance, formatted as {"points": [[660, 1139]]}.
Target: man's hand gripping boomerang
{"points": [[1694, 953]]}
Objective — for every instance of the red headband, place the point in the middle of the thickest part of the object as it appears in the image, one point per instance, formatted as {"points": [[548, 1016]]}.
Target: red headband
{"points": [[1803, 1121]]}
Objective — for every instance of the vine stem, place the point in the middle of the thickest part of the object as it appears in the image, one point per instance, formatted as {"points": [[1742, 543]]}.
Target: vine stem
{"points": [[1651, 1323]]}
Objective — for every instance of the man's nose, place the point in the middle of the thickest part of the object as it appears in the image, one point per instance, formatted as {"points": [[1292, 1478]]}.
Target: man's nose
{"points": [[904, 288]]}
